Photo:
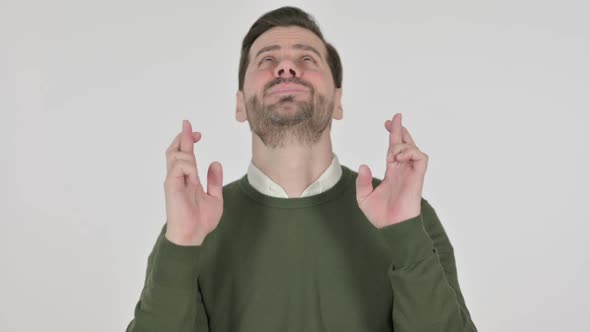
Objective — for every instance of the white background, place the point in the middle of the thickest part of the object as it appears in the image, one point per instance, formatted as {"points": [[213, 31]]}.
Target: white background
{"points": [[92, 93]]}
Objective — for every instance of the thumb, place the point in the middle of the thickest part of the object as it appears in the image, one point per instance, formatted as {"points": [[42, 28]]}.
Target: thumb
{"points": [[215, 179], [364, 183]]}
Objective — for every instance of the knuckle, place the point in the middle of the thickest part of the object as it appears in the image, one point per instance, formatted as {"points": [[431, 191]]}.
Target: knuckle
{"points": [[181, 155], [189, 166], [172, 169], [171, 150], [180, 163], [176, 164], [172, 155]]}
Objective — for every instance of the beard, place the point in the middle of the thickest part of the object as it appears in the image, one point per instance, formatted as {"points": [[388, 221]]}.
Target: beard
{"points": [[288, 120]]}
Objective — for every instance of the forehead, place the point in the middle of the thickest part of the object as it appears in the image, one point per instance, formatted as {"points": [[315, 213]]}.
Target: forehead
{"points": [[286, 37]]}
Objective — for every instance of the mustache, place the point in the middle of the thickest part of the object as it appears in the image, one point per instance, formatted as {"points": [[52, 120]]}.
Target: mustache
{"points": [[280, 80]]}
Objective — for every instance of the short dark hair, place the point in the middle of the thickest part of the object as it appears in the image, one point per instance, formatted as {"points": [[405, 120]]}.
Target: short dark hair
{"points": [[284, 17]]}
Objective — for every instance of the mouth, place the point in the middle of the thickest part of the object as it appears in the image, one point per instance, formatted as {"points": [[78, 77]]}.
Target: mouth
{"points": [[286, 89]]}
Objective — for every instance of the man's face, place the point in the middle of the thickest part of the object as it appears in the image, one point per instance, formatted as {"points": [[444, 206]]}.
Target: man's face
{"points": [[288, 92]]}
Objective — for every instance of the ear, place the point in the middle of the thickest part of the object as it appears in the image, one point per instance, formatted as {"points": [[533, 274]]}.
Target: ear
{"points": [[240, 107], [338, 104]]}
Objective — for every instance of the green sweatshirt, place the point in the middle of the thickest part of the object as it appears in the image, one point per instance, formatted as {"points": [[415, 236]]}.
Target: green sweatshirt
{"points": [[304, 264]]}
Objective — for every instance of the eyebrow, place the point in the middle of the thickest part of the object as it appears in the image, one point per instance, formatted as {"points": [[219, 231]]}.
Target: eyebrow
{"points": [[296, 46]]}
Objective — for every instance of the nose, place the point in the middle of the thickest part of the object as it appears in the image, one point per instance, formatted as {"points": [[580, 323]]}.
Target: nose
{"points": [[286, 68]]}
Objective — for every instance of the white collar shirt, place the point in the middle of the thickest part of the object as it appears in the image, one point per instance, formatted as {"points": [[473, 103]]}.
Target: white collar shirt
{"points": [[267, 186]]}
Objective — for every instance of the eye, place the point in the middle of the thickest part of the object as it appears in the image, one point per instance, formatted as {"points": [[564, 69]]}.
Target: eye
{"points": [[307, 58], [267, 58]]}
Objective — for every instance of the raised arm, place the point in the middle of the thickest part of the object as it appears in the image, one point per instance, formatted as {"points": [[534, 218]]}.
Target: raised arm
{"points": [[426, 295], [423, 276], [170, 299]]}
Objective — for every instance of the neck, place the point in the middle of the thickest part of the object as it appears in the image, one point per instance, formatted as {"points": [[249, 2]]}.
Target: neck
{"points": [[293, 166]]}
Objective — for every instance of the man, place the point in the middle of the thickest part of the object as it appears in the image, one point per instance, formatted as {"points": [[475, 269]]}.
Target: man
{"points": [[299, 243]]}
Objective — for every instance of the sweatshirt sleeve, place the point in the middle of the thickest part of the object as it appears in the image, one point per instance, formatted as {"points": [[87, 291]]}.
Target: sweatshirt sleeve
{"points": [[423, 276], [170, 299]]}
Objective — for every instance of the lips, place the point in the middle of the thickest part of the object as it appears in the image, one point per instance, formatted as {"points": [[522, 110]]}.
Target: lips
{"points": [[286, 89]]}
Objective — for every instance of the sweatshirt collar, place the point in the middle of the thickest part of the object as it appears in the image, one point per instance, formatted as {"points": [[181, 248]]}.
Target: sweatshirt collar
{"points": [[264, 184]]}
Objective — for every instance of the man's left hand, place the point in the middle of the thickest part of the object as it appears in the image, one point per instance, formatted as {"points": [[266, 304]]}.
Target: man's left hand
{"points": [[398, 197]]}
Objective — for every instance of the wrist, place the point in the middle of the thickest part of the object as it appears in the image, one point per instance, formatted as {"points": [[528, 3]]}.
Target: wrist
{"points": [[190, 240]]}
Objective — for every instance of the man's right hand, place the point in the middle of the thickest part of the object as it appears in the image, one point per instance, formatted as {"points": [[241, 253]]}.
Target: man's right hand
{"points": [[191, 212]]}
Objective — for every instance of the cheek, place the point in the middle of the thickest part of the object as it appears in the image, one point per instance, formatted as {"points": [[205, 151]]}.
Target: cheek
{"points": [[255, 82], [321, 82]]}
